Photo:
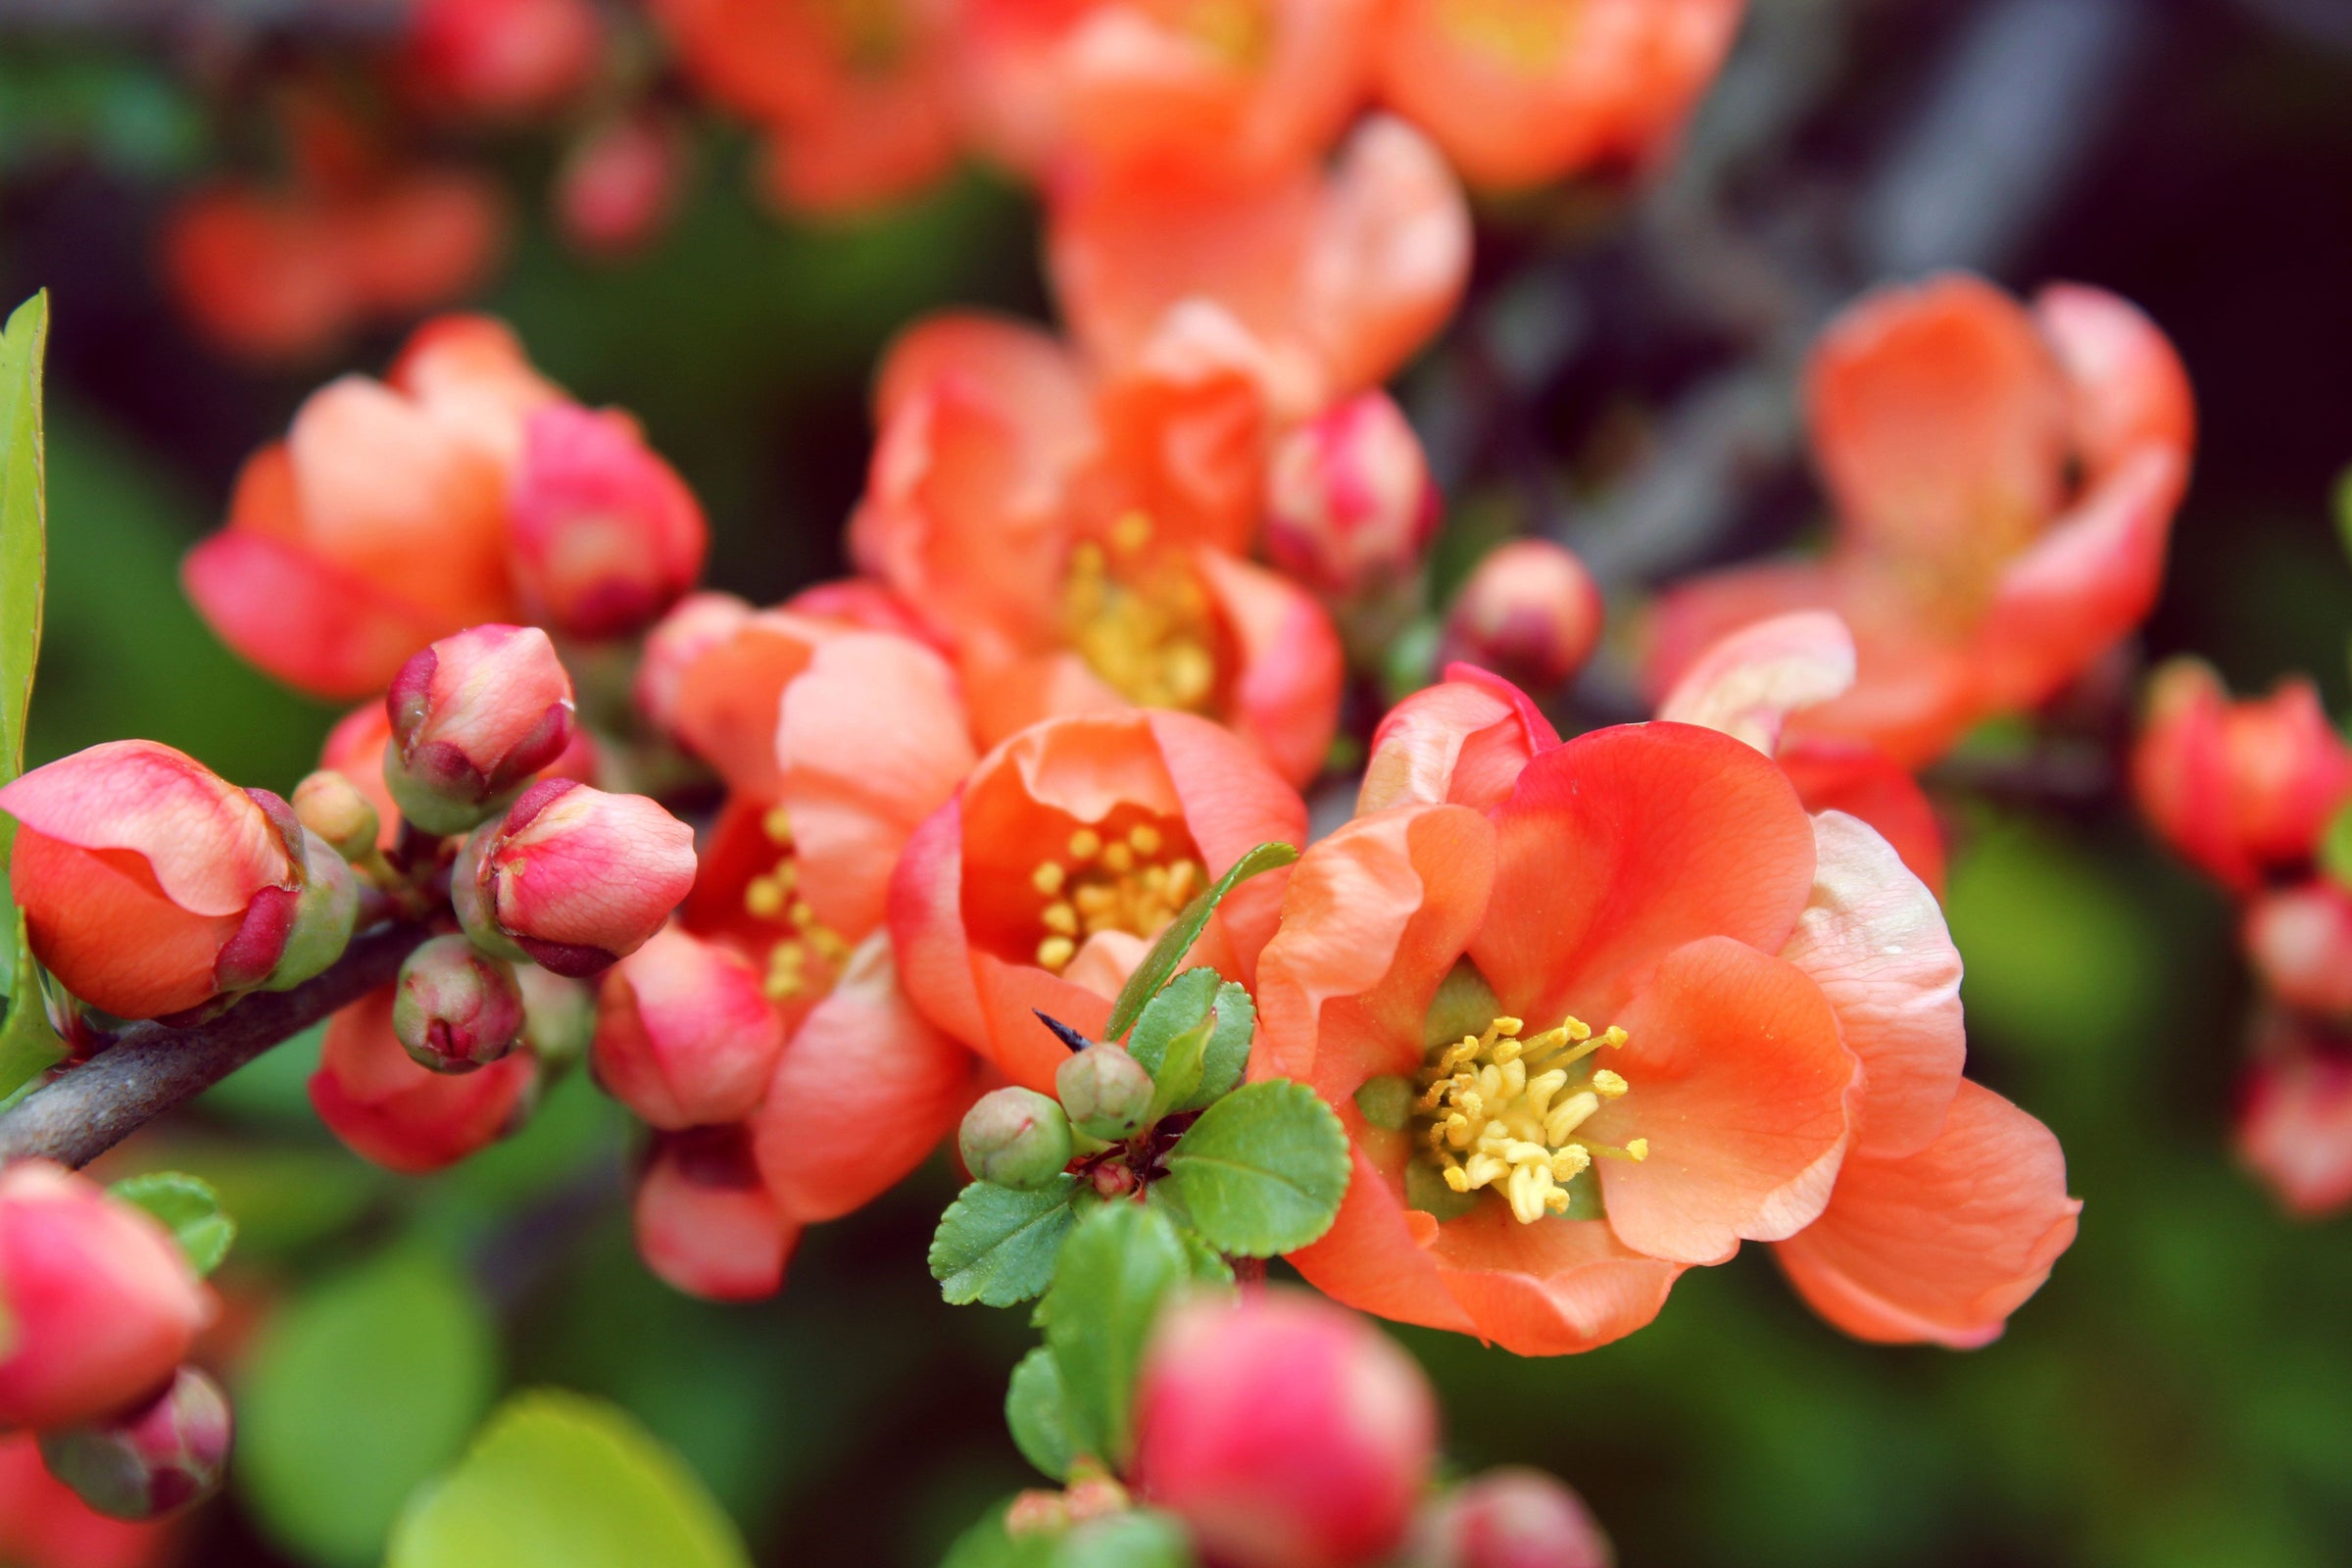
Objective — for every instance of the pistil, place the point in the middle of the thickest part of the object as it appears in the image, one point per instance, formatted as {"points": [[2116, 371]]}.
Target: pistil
{"points": [[1504, 1110]]}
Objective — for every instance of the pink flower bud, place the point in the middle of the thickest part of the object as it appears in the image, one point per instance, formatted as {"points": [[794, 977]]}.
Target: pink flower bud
{"points": [[697, 624], [473, 716], [392, 1111], [99, 1303], [332, 807], [502, 57], [1530, 613], [1510, 1518], [149, 883], [602, 534], [684, 1035], [2237, 786], [152, 1460], [1350, 505], [2300, 939], [1285, 1432], [2294, 1124], [43, 1525], [619, 186], [572, 877], [706, 1224], [456, 1007]]}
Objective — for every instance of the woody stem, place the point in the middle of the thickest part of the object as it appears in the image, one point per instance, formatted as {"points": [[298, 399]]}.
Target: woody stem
{"points": [[151, 1067]]}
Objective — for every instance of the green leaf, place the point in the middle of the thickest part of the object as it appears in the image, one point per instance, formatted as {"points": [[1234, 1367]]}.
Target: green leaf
{"points": [[2335, 847], [1038, 1414], [559, 1480], [997, 1247], [188, 1208], [1181, 1004], [28, 1045], [987, 1546], [1179, 1075], [1177, 940], [1116, 1269], [356, 1392], [1140, 1539], [1263, 1169]]}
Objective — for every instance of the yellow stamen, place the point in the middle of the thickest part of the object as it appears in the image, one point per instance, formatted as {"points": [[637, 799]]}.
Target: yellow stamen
{"points": [[1086, 843], [1508, 1105], [776, 823], [1142, 621], [1048, 878], [1055, 953], [763, 896], [1060, 919], [1143, 838]]}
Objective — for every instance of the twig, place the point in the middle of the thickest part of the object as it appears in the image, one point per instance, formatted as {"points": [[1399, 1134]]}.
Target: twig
{"points": [[151, 1068]]}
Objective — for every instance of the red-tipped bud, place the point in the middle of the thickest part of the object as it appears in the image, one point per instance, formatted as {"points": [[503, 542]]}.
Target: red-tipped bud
{"points": [[2300, 939], [473, 716], [619, 186], [2294, 1124], [684, 1036], [2237, 786], [502, 57], [1510, 1518], [152, 1460], [571, 877], [150, 884], [602, 534], [1530, 613], [1349, 506], [699, 624], [1105, 1091], [706, 1223], [1285, 1432], [99, 1303], [1014, 1137], [332, 807], [456, 1007], [392, 1111], [559, 1019]]}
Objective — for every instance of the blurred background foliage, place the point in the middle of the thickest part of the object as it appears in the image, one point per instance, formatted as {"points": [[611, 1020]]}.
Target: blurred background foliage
{"points": [[2180, 1393]]}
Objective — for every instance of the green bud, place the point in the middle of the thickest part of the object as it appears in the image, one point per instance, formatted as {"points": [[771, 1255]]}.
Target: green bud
{"points": [[325, 914], [1015, 1138], [1106, 1092], [332, 806], [559, 1019]]}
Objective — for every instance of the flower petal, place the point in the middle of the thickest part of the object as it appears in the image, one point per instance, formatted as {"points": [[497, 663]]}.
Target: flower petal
{"points": [[1835, 774], [1465, 740], [1749, 682], [301, 621], [1285, 694]]}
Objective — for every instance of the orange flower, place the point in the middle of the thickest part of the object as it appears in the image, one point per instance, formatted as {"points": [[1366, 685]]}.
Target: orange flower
{"points": [[1521, 91], [1223, 89], [500, 57], [1077, 546], [1341, 274], [2237, 787], [1978, 576], [855, 98], [2294, 1123], [1072, 845], [1747, 685], [1774, 1052]]}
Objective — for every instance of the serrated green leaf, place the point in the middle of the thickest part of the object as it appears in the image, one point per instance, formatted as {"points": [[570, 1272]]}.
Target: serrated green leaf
{"points": [[1180, 1005], [1263, 1169], [1228, 1054], [28, 1045], [1179, 1075], [1119, 1265], [997, 1247], [1037, 1414], [558, 1479], [1208, 1264], [188, 1208], [1177, 940]]}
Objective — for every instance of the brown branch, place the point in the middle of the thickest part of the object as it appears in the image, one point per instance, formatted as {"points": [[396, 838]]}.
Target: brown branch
{"points": [[151, 1068]]}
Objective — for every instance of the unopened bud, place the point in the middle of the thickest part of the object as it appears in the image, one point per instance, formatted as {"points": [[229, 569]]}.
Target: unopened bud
{"points": [[1284, 1431], [324, 914], [1105, 1091], [155, 1459], [2300, 942], [618, 186], [603, 535], [388, 1109], [559, 1019], [1348, 501], [1510, 1518], [473, 716], [1014, 1137], [571, 877], [684, 1035], [706, 1223], [1530, 613], [455, 1006], [332, 806]]}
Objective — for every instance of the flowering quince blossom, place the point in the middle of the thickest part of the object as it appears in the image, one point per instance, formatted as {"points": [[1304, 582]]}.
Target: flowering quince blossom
{"points": [[1774, 1052], [472, 718], [100, 1304], [1351, 509], [705, 1220], [387, 1108], [1522, 91], [500, 57], [1079, 546], [1977, 576], [2294, 1115], [1072, 845]]}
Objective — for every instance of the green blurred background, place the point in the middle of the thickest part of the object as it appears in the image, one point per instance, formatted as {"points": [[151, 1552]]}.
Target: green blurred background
{"points": [[2180, 1393]]}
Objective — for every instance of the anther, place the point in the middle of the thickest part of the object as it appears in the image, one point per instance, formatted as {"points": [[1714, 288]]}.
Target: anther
{"points": [[1086, 843], [1055, 952], [1048, 878], [776, 823]]}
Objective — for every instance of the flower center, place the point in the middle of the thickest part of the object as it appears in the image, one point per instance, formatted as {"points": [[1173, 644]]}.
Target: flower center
{"points": [[1501, 1113], [1138, 882], [1141, 619], [1525, 35], [808, 954]]}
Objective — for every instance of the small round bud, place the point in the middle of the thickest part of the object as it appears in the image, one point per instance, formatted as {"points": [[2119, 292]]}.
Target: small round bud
{"points": [[455, 1006], [559, 1019], [147, 1463], [619, 184], [332, 807], [1348, 501], [473, 716], [1510, 1518], [1105, 1091], [325, 912], [1014, 1137], [1530, 613]]}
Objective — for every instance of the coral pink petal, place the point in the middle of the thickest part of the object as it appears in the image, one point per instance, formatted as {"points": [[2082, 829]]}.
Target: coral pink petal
{"points": [[300, 620], [1012, 996], [1028, 374], [1554, 1288], [2128, 386], [209, 843], [1696, 615], [1374, 1260], [1390, 258], [1285, 694], [1835, 774], [1748, 684], [926, 926], [1465, 740]]}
